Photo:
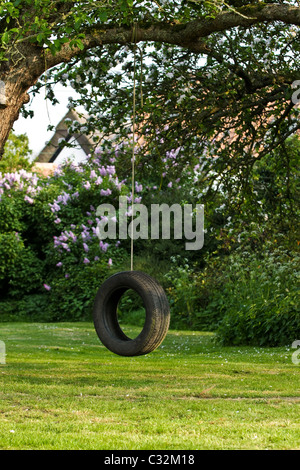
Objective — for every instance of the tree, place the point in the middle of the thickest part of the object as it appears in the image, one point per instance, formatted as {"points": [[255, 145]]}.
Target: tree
{"points": [[16, 154], [39, 35]]}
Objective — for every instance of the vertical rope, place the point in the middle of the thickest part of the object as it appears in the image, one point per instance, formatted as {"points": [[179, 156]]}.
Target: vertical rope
{"points": [[133, 149]]}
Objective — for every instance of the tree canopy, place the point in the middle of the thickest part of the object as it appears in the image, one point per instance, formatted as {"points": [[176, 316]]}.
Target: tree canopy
{"points": [[207, 68]]}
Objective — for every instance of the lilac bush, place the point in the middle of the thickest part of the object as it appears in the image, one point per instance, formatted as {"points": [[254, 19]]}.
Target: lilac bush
{"points": [[55, 217], [54, 220]]}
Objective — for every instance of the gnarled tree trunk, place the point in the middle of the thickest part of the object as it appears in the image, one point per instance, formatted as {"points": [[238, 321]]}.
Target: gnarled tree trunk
{"points": [[16, 77], [15, 97]]}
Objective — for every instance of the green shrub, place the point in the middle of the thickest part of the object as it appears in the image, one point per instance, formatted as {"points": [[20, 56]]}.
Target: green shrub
{"points": [[183, 293], [52, 263], [261, 299], [48, 238], [16, 153], [71, 297], [20, 269], [11, 214], [246, 298], [32, 307]]}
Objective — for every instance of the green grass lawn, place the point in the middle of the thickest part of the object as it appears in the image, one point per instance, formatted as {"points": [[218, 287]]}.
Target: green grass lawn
{"points": [[61, 389]]}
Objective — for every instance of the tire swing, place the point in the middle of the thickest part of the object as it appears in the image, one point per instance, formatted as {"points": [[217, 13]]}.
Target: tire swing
{"points": [[106, 319], [151, 292]]}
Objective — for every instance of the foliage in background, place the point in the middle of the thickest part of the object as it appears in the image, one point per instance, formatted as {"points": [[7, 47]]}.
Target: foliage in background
{"points": [[16, 154], [246, 298], [242, 284], [50, 248], [262, 299], [232, 101]]}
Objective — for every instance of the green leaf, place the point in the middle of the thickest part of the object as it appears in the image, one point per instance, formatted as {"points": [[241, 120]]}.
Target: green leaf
{"points": [[103, 16], [5, 37]]}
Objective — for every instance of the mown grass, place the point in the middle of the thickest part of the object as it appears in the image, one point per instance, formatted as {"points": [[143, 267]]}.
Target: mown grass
{"points": [[61, 389]]}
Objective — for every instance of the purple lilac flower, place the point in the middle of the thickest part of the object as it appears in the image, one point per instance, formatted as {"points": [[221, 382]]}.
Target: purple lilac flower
{"points": [[47, 287], [59, 264], [58, 171], [105, 192], [73, 237], [97, 161], [86, 261], [110, 262], [118, 186], [79, 169], [103, 246], [85, 247], [63, 198], [65, 246], [30, 190], [54, 207], [87, 185], [111, 170], [85, 235], [28, 199], [138, 187]]}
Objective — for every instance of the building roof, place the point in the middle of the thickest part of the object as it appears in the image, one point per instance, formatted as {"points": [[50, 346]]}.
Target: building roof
{"points": [[52, 149]]}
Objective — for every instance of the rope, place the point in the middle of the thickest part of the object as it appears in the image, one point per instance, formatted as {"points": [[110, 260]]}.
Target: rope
{"points": [[133, 146]]}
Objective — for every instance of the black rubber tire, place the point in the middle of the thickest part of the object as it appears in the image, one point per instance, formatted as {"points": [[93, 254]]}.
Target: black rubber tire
{"points": [[106, 319]]}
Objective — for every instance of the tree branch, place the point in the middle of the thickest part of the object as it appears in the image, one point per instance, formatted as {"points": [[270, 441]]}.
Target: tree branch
{"points": [[187, 35]]}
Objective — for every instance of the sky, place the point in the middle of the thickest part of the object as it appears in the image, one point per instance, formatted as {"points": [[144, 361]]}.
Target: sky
{"points": [[44, 114]]}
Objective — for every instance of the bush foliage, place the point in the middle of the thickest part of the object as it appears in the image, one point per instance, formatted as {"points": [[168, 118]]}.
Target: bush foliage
{"points": [[242, 284]]}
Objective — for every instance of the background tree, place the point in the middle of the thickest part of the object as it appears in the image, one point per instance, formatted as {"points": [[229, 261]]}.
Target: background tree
{"points": [[38, 35], [237, 101], [16, 154]]}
